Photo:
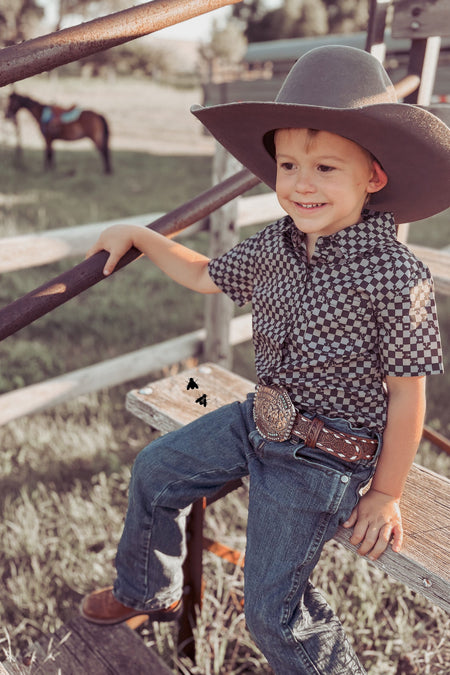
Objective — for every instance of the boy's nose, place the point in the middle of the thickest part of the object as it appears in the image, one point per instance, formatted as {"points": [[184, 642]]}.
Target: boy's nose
{"points": [[304, 182]]}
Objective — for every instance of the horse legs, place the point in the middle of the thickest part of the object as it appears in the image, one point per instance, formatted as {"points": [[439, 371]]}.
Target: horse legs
{"points": [[48, 154], [104, 151], [101, 140]]}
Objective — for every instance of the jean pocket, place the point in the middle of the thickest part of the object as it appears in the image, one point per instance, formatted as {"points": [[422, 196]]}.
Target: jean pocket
{"points": [[322, 493], [323, 484]]}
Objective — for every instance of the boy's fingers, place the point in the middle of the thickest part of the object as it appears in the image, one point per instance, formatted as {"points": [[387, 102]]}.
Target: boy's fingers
{"points": [[364, 537], [381, 544], [351, 520], [360, 528], [111, 263], [397, 541]]}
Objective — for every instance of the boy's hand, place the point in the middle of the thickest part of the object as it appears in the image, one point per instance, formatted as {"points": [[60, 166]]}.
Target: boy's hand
{"points": [[117, 240], [375, 519]]}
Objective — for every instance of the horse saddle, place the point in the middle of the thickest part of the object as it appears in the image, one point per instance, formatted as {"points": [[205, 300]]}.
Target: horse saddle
{"points": [[58, 116]]}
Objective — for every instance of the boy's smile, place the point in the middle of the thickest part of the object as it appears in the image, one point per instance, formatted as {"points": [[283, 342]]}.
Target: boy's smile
{"points": [[323, 180]]}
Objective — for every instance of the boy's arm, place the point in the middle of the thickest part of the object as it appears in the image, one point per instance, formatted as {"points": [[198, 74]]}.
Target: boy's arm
{"points": [[183, 265], [376, 518]]}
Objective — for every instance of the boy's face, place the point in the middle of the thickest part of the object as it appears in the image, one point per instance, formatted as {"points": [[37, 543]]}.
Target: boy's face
{"points": [[323, 179]]}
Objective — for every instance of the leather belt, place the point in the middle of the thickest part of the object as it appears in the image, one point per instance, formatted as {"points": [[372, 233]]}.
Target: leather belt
{"points": [[277, 420]]}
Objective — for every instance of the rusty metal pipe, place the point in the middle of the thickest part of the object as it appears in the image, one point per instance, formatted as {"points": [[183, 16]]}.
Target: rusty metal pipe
{"points": [[70, 44], [67, 285]]}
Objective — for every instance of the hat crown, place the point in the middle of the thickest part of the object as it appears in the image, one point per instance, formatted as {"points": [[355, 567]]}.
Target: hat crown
{"points": [[337, 77]]}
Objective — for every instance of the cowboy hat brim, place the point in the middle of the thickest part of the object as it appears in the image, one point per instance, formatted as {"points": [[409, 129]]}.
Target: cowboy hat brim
{"points": [[411, 144]]}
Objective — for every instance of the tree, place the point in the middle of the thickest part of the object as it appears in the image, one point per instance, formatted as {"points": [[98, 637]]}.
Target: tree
{"points": [[19, 20], [347, 16], [300, 18], [228, 43], [295, 18], [87, 9], [249, 10]]}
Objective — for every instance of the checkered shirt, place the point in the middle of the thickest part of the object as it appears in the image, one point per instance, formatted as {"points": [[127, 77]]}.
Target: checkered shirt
{"points": [[331, 329]]}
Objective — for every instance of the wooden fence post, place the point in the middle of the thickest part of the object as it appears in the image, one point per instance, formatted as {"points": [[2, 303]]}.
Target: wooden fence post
{"points": [[224, 234]]}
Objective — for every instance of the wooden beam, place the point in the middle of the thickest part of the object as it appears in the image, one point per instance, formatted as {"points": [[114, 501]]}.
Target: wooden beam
{"points": [[83, 647], [421, 19], [223, 235]]}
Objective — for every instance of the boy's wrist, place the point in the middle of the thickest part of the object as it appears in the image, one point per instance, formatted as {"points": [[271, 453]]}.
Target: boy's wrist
{"points": [[386, 493]]}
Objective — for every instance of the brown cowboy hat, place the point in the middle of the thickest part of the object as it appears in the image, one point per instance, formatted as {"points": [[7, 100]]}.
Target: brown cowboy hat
{"points": [[346, 91]]}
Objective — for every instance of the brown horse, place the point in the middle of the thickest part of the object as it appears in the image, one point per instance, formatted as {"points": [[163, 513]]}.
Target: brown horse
{"points": [[67, 124]]}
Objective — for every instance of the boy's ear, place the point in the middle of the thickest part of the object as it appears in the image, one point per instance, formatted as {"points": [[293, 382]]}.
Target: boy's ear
{"points": [[378, 179]]}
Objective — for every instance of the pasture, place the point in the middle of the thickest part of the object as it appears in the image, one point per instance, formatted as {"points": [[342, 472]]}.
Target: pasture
{"points": [[64, 474]]}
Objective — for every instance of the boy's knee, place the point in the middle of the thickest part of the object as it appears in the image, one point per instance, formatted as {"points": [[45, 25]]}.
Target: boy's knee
{"points": [[262, 623], [147, 464]]}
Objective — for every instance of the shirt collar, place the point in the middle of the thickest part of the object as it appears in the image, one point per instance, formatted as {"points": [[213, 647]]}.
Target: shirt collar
{"points": [[376, 228]]}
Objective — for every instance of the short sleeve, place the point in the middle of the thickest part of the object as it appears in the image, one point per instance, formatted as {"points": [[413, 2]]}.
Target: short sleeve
{"points": [[234, 272], [409, 337]]}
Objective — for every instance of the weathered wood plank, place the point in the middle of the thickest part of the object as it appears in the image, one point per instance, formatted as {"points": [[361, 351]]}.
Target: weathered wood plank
{"points": [[80, 648], [167, 404], [223, 235], [423, 562], [421, 19]]}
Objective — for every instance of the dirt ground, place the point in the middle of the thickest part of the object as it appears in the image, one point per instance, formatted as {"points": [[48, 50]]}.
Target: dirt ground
{"points": [[142, 114]]}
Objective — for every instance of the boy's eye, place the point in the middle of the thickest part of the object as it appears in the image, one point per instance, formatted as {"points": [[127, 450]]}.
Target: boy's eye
{"points": [[287, 166], [324, 168]]}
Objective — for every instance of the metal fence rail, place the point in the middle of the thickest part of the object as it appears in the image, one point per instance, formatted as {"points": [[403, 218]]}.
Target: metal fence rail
{"points": [[70, 44], [67, 285]]}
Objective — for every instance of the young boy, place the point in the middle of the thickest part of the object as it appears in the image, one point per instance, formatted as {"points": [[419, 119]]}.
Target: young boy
{"points": [[345, 332]]}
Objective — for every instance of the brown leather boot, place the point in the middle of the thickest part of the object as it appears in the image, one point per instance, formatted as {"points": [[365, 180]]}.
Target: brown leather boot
{"points": [[101, 607]]}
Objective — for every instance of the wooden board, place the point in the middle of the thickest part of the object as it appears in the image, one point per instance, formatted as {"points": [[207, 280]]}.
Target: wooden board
{"points": [[423, 563], [421, 19], [167, 404], [82, 648]]}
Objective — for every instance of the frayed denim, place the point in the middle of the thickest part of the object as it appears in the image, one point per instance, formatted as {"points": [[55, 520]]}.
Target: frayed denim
{"points": [[298, 498]]}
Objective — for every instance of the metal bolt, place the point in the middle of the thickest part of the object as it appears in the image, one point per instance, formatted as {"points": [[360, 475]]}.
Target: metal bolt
{"points": [[426, 582], [415, 25]]}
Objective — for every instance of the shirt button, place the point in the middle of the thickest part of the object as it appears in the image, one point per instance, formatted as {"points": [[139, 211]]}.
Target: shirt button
{"points": [[344, 479]]}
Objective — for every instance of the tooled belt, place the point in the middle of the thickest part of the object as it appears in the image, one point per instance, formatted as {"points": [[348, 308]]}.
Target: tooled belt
{"points": [[277, 420]]}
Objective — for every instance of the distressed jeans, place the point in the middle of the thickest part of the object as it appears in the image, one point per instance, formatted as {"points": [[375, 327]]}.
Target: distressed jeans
{"points": [[298, 497]]}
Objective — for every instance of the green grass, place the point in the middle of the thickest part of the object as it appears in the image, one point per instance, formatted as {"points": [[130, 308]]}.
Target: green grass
{"points": [[64, 474]]}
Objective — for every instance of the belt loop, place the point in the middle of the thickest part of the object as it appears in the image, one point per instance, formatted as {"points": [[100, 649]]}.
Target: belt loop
{"points": [[313, 432]]}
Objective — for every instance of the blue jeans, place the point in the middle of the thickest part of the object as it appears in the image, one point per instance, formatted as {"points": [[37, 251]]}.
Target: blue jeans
{"points": [[298, 497]]}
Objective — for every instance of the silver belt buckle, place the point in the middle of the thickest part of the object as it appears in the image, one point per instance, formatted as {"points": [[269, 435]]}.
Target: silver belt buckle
{"points": [[274, 413]]}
